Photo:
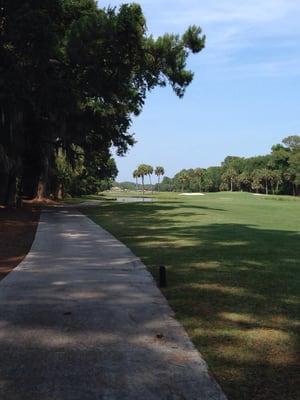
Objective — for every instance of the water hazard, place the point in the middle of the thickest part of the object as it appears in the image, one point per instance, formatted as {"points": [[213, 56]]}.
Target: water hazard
{"points": [[131, 199]]}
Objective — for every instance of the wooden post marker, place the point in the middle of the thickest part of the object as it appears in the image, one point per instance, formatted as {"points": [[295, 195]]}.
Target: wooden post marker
{"points": [[162, 276]]}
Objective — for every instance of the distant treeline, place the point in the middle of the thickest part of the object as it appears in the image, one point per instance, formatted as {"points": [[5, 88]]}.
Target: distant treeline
{"points": [[277, 172], [127, 185]]}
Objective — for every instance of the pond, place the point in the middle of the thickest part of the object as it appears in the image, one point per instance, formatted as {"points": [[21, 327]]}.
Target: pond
{"points": [[130, 199]]}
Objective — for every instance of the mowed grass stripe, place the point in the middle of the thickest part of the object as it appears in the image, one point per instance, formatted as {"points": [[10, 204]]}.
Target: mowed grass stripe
{"points": [[233, 280]]}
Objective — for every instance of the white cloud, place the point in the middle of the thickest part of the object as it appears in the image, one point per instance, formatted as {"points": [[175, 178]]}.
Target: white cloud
{"points": [[224, 11], [269, 30], [267, 69]]}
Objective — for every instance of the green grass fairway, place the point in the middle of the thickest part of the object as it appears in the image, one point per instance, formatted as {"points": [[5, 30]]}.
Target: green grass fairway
{"points": [[233, 263]]}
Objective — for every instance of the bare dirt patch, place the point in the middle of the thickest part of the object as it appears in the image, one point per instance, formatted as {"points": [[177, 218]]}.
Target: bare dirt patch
{"points": [[17, 231]]}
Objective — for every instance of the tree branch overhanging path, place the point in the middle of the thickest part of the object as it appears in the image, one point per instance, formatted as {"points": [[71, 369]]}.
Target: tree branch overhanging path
{"points": [[72, 77], [81, 318]]}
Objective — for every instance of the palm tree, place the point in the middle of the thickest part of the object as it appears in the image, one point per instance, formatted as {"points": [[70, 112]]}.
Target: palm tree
{"points": [[149, 173], [230, 177], [244, 180], [136, 175], [290, 177], [256, 181], [275, 180], [183, 179], [198, 172], [159, 171], [265, 176], [143, 170]]}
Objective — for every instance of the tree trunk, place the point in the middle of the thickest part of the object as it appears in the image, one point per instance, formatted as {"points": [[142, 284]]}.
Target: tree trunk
{"points": [[143, 184], [41, 190], [30, 181], [267, 188], [59, 192], [42, 186], [231, 185], [11, 191], [4, 178]]}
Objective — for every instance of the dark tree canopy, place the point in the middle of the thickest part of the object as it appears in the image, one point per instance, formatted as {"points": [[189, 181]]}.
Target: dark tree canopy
{"points": [[71, 78]]}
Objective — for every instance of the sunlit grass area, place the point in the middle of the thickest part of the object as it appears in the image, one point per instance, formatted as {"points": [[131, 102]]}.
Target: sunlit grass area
{"points": [[233, 264]]}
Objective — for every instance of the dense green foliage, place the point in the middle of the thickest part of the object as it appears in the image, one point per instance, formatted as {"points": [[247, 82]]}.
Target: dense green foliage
{"points": [[277, 172], [127, 185], [233, 280], [81, 180], [71, 77]]}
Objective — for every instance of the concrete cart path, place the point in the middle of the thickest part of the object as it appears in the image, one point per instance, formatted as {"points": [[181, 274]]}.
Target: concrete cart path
{"points": [[81, 319]]}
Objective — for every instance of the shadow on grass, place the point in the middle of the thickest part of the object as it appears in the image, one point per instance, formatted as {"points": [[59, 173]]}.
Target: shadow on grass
{"points": [[156, 206], [236, 292], [235, 288]]}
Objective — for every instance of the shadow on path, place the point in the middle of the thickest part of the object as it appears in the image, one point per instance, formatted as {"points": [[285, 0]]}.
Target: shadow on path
{"points": [[81, 318]]}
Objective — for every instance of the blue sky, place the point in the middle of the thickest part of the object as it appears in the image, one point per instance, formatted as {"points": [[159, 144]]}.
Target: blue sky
{"points": [[245, 94]]}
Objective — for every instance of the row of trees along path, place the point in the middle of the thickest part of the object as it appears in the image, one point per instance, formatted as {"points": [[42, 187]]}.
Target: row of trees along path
{"points": [[72, 77]]}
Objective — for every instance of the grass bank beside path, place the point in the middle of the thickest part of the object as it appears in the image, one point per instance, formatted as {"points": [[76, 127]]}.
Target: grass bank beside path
{"points": [[17, 231], [233, 263]]}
